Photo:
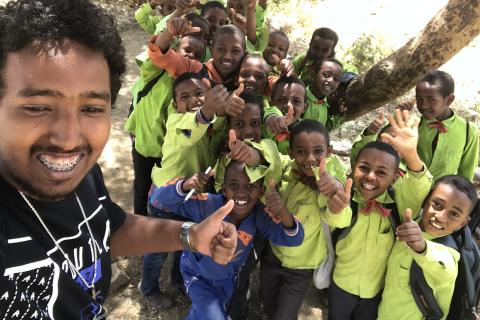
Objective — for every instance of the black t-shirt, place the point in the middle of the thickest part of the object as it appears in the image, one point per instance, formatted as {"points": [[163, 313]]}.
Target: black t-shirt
{"points": [[36, 281]]}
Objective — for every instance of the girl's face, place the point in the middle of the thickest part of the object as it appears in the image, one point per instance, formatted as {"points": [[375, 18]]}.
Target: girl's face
{"points": [[446, 210], [320, 48], [277, 45], [248, 125], [328, 78], [216, 18], [191, 48], [290, 95], [227, 54]]}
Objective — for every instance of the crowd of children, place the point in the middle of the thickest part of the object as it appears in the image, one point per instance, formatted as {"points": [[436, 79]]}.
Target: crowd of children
{"points": [[219, 113]]}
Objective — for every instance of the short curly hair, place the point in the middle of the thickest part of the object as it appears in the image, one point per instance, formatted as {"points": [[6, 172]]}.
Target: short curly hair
{"points": [[46, 24]]}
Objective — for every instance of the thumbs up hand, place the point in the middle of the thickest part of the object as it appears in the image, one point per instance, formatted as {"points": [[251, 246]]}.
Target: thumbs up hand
{"points": [[285, 66], [238, 20], [410, 232], [341, 199], [279, 125], [275, 208], [242, 152], [376, 125], [180, 27], [235, 104], [326, 184], [216, 99]]}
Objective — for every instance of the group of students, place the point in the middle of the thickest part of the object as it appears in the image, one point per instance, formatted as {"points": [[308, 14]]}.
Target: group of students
{"points": [[219, 113]]}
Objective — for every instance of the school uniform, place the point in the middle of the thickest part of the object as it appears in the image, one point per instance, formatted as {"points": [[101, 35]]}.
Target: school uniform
{"points": [[286, 273], [439, 264], [147, 123], [190, 146], [210, 285], [147, 18], [317, 109], [450, 149], [361, 257]]}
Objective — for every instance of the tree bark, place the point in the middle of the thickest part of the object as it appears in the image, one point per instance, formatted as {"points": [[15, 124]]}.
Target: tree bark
{"points": [[451, 29]]}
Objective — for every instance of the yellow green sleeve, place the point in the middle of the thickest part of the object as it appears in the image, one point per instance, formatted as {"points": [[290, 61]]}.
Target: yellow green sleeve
{"points": [[469, 160], [146, 18]]}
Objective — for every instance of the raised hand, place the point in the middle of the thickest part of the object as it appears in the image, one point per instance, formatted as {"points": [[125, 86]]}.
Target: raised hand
{"points": [[214, 237], [180, 27], [185, 6], [156, 3], [341, 199], [326, 184], [376, 125], [238, 20], [410, 232], [216, 99], [285, 66], [404, 138], [240, 151], [279, 125], [198, 181], [275, 208], [235, 104]]}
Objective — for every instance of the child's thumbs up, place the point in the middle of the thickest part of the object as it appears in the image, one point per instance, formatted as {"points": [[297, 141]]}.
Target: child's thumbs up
{"points": [[318, 172], [277, 61], [348, 187], [239, 90], [232, 139], [271, 185], [289, 117], [408, 215], [207, 84]]}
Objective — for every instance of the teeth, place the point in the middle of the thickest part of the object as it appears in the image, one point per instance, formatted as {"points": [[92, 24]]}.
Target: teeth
{"points": [[435, 225], [368, 186], [310, 166], [241, 202], [59, 165]]}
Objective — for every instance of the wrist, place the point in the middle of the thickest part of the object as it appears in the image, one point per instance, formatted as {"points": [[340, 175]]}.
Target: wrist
{"points": [[414, 164], [186, 233]]}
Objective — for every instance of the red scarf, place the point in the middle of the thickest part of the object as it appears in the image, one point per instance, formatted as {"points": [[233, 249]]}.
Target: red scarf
{"points": [[373, 204], [438, 125], [282, 136]]}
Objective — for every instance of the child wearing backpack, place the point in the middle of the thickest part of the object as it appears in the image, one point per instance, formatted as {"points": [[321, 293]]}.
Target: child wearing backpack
{"points": [[362, 249], [210, 285], [446, 210]]}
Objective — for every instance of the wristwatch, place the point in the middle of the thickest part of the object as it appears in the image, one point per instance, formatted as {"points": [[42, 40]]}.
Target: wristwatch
{"points": [[185, 237]]}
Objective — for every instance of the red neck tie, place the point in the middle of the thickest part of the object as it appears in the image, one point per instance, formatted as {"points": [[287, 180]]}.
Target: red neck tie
{"points": [[282, 136], [371, 205], [320, 101], [438, 125]]}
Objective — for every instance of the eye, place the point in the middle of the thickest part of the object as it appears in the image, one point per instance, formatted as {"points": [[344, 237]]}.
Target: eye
{"points": [[239, 124], [93, 109], [380, 173], [252, 186], [454, 214], [255, 123], [318, 151], [363, 168], [436, 205], [36, 109]]}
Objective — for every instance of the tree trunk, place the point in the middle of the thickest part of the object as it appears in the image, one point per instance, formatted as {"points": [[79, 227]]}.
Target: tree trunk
{"points": [[445, 35]]}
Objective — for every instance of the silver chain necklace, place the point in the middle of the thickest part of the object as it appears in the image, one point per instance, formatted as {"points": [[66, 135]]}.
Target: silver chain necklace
{"points": [[92, 285]]}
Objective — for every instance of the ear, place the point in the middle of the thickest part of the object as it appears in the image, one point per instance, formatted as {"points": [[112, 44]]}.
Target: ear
{"points": [[449, 99], [467, 220], [329, 150], [290, 152], [174, 104], [396, 175]]}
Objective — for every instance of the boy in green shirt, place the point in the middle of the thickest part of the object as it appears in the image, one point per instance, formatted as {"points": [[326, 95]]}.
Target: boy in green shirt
{"points": [[276, 50], [286, 273], [147, 17], [361, 255], [446, 210], [448, 144]]}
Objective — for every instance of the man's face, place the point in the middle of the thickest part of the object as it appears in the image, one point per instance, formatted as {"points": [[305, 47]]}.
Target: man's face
{"points": [[55, 116]]}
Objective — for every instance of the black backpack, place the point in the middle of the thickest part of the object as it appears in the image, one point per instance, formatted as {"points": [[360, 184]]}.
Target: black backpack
{"points": [[466, 294]]}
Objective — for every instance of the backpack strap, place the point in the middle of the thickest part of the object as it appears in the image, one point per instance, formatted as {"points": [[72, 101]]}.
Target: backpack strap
{"points": [[421, 291], [467, 134], [149, 86]]}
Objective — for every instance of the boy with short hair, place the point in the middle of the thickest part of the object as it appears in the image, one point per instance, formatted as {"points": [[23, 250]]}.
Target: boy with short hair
{"points": [[448, 144], [286, 273], [210, 285], [362, 251], [446, 210], [277, 47]]}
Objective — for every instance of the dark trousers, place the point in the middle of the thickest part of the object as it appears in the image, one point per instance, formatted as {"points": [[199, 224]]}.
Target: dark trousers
{"points": [[142, 169], [346, 306], [282, 290], [238, 307]]}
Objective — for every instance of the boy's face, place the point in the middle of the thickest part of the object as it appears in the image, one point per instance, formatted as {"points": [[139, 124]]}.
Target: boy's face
{"points": [[445, 211], [55, 116], [290, 94], [374, 171], [253, 74], [227, 54], [240, 6], [248, 125], [189, 96], [320, 48], [168, 7], [216, 18], [308, 150], [328, 78], [191, 48], [277, 45], [430, 103], [237, 186]]}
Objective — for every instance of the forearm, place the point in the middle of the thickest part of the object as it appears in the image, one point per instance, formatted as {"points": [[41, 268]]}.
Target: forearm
{"points": [[139, 235], [251, 25], [287, 219], [163, 41], [413, 161]]}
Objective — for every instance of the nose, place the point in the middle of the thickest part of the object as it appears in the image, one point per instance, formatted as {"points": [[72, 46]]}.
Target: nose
{"points": [[65, 130], [371, 175], [440, 215], [311, 157]]}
